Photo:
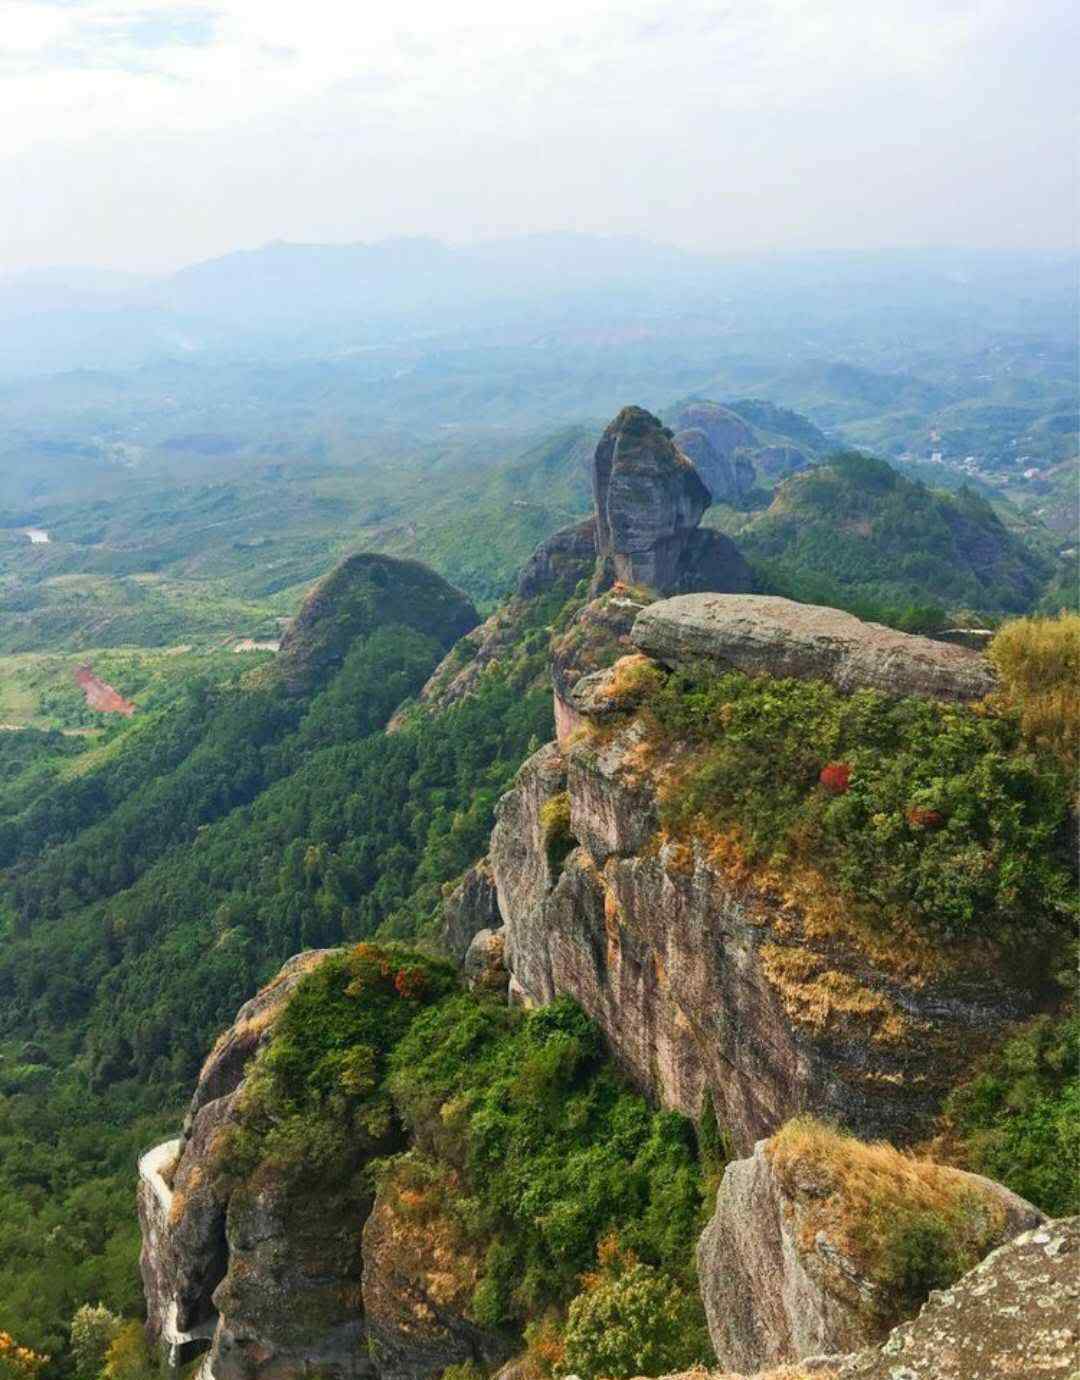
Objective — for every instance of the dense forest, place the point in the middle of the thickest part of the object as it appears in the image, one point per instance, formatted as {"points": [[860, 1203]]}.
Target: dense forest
{"points": [[147, 897]]}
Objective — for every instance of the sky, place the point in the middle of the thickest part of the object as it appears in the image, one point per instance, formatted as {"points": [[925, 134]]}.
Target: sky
{"points": [[142, 135]]}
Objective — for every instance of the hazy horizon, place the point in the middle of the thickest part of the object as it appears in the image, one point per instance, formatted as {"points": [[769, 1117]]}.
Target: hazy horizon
{"points": [[144, 136]]}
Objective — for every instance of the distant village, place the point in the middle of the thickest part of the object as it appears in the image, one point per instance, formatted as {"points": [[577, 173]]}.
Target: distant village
{"points": [[1024, 467]]}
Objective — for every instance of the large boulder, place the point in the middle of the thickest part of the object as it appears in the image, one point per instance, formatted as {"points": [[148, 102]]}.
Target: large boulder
{"points": [[1013, 1317], [796, 1261], [762, 634]]}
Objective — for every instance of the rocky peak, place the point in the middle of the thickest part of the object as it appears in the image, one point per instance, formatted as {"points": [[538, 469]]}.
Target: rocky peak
{"points": [[649, 498]]}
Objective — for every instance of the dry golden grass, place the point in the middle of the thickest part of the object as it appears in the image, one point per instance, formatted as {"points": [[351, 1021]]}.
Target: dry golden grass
{"points": [[1038, 665], [632, 679], [818, 996], [853, 1190]]}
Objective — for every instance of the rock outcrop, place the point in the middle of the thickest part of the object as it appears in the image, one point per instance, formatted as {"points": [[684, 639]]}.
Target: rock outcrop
{"points": [[1015, 1315], [649, 501], [648, 498], [642, 540], [472, 906], [708, 978], [561, 562], [780, 1276], [420, 1270], [220, 1261], [717, 440], [765, 635]]}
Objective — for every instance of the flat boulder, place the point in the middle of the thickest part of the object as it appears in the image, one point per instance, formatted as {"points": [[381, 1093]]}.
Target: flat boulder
{"points": [[762, 634]]}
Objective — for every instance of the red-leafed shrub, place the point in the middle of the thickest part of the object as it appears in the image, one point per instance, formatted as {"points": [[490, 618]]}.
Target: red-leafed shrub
{"points": [[836, 777], [920, 818], [410, 982]]}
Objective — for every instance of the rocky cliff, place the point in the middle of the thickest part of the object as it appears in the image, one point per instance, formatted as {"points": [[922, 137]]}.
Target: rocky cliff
{"points": [[220, 1259], [716, 980], [718, 441], [745, 989], [643, 539], [800, 1256], [362, 593]]}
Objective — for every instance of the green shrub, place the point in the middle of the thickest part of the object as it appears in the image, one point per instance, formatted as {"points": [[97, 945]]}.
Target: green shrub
{"points": [[316, 1101], [1019, 1116], [559, 842], [998, 864], [919, 1253], [634, 1320], [556, 1152], [93, 1330]]}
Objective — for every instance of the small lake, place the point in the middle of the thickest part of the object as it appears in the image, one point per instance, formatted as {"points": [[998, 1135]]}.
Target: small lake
{"points": [[36, 535]]}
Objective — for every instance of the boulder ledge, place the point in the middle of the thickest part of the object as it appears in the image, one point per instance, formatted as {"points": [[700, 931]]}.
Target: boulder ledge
{"points": [[762, 634]]}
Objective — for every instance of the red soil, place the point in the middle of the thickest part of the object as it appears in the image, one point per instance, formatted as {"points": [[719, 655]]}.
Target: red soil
{"points": [[101, 696]]}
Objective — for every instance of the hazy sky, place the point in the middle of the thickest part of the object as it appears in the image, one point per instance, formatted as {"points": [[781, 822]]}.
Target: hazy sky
{"points": [[144, 135]]}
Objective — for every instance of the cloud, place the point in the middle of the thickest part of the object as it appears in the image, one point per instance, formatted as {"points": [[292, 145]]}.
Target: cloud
{"points": [[676, 117]]}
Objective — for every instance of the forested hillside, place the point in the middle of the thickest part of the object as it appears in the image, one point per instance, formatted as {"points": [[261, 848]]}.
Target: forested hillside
{"points": [[146, 897]]}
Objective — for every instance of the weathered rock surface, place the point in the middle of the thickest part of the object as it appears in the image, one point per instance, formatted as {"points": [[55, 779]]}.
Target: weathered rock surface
{"points": [[472, 906], [561, 562], [1014, 1317], [596, 638], [642, 539], [205, 1241], [716, 440], [648, 498], [765, 635], [778, 1288], [708, 978], [290, 1301], [485, 963], [184, 1251], [419, 1272]]}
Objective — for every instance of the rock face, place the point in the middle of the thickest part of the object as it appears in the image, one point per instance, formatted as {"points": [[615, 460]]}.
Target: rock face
{"points": [[716, 440], [761, 634], [778, 1287], [1015, 1315], [642, 539], [708, 979], [472, 906], [244, 1265], [559, 563], [648, 497], [419, 1272]]}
